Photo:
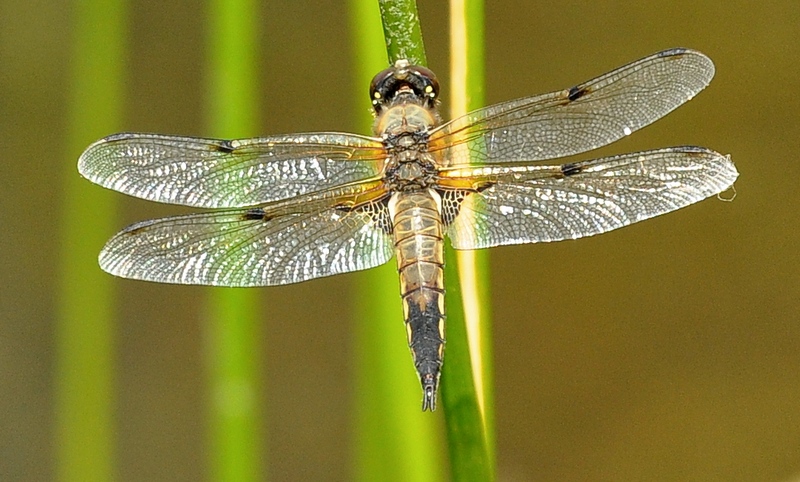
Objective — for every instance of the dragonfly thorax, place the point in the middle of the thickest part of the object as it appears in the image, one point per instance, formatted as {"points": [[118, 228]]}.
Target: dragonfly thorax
{"points": [[409, 166], [411, 175], [405, 117]]}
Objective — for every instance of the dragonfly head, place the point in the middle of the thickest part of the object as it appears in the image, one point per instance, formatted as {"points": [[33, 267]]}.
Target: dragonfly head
{"points": [[403, 80]]}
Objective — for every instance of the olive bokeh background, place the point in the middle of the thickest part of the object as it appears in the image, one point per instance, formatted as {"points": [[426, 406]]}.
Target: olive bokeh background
{"points": [[668, 350]]}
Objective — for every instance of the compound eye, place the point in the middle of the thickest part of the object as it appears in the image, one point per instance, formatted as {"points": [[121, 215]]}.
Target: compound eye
{"points": [[403, 77], [430, 85], [377, 88]]}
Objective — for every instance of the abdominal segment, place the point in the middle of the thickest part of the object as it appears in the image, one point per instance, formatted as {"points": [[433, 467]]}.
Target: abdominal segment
{"points": [[419, 248]]}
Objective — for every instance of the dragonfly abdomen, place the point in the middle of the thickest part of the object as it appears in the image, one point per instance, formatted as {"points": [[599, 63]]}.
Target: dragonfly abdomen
{"points": [[418, 240]]}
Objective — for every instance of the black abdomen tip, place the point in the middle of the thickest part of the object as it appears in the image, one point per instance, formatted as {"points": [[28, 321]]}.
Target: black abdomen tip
{"points": [[428, 393]]}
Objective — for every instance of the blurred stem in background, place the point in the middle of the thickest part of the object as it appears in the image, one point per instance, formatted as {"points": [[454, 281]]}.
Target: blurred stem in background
{"points": [[394, 440], [233, 327], [84, 399]]}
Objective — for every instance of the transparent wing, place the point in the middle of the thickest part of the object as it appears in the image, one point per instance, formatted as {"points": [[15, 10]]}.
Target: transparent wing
{"points": [[214, 173], [585, 117], [254, 247], [531, 204]]}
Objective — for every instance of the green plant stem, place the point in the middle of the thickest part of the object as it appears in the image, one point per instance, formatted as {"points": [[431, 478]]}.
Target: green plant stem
{"points": [[393, 438], [85, 423], [467, 440], [233, 325], [402, 31], [467, 74]]}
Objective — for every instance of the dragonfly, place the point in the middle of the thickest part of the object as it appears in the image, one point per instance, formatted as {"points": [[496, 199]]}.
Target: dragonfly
{"points": [[289, 208]]}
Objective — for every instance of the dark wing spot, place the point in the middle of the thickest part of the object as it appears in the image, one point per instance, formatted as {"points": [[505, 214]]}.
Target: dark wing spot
{"points": [[576, 93], [255, 214], [695, 150], [677, 52], [135, 228], [485, 186], [570, 169], [344, 208], [224, 146]]}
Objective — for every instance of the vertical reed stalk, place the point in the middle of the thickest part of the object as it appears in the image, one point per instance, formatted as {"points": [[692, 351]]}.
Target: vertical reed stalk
{"points": [[233, 316], [84, 398], [394, 440], [467, 381], [462, 392]]}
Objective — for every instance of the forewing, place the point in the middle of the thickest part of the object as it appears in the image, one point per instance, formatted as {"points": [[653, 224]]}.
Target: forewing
{"points": [[585, 117], [214, 173], [255, 247], [531, 204]]}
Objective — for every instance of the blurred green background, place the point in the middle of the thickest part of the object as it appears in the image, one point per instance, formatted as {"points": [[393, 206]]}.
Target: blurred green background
{"points": [[668, 350]]}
